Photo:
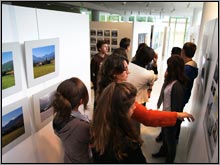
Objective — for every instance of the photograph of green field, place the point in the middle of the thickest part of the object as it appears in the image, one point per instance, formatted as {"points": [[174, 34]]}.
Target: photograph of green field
{"points": [[43, 60], [8, 79], [12, 126]]}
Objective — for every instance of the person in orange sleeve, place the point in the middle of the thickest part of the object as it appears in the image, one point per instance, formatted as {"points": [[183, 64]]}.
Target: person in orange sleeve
{"points": [[115, 69]]}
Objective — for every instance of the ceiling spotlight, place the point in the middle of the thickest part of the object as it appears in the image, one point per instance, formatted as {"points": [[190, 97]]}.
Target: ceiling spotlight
{"points": [[124, 3]]}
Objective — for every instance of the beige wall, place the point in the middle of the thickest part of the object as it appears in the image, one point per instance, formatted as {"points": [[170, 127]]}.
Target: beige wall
{"points": [[124, 30]]}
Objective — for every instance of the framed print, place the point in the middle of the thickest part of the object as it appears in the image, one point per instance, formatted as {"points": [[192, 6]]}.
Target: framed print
{"points": [[114, 41], [92, 32], [99, 33], [93, 48], [15, 124], [114, 33], [42, 57], [43, 110], [11, 70], [107, 33], [107, 40], [211, 122], [93, 40]]}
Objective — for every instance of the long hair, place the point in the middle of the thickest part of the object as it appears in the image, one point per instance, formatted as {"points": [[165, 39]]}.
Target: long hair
{"points": [[68, 96], [144, 55], [111, 126], [113, 64], [175, 69]]}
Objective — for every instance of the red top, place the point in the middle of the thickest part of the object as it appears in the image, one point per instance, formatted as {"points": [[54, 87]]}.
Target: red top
{"points": [[154, 118]]}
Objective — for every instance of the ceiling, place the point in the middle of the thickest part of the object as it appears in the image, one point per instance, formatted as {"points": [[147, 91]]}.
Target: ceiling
{"points": [[141, 8]]}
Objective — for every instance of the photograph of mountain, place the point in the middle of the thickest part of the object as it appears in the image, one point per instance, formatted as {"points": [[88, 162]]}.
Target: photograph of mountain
{"points": [[46, 109], [43, 60], [8, 79], [12, 126]]}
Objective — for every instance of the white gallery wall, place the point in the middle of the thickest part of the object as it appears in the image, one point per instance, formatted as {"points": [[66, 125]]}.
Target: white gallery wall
{"points": [[20, 24]]}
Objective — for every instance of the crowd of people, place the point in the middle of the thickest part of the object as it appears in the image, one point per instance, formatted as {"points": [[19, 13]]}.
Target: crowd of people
{"points": [[121, 90]]}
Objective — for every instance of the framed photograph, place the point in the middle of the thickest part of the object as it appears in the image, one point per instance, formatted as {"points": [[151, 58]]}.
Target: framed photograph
{"points": [[114, 33], [43, 110], [107, 33], [99, 33], [42, 57], [114, 41], [107, 40], [11, 68], [15, 124], [93, 48], [92, 32], [93, 40], [211, 123]]}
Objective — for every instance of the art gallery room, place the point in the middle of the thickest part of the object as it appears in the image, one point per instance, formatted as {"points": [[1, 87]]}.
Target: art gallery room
{"points": [[45, 43]]}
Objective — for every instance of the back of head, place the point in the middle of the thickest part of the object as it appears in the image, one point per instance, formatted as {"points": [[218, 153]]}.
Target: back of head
{"points": [[100, 43], [189, 49], [144, 55], [125, 43], [111, 124], [176, 51], [175, 69], [68, 96], [120, 51]]}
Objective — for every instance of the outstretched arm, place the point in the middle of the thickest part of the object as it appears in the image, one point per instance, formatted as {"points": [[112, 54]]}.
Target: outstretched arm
{"points": [[157, 118]]}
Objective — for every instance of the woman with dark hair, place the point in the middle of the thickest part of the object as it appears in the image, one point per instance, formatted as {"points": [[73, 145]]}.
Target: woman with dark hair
{"points": [[171, 96], [114, 139], [69, 124], [115, 69]]}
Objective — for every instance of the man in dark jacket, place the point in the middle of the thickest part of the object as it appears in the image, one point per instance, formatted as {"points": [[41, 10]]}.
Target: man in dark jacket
{"points": [[191, 70]]}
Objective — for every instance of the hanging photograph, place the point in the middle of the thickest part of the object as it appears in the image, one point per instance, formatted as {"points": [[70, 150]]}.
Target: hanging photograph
{"points": [[11, 68], [107, 40], [93, 48], [43, 110], [92, 32], [114, 41], [41, 60], [15, 124], [114, 33], [211, 123], [107, 33], [93, 40], [99, 33]]}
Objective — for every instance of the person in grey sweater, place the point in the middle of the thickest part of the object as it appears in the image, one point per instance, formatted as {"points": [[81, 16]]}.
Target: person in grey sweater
{"points": [[69, 124]]}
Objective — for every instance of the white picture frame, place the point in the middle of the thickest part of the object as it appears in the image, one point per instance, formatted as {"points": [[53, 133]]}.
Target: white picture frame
{"points": [[15, 124], [42, 60], [43, 110], [11, 70]]}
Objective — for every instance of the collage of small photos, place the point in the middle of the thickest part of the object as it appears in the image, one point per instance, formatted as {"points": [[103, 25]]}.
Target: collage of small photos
{"points": [[111, 36], [211, 116]]}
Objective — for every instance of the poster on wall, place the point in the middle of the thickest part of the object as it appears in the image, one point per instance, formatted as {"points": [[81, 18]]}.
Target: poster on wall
{"points": [[11, 68], [43, 110], [114, 33], [211, 116], [42, 60], [15, 124], [92, 32], [142, 38]]}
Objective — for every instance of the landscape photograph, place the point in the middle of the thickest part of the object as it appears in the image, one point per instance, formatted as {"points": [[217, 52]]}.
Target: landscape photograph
{"points": [[12, 126], [8, 78], [46, 109], [43, 60]]}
